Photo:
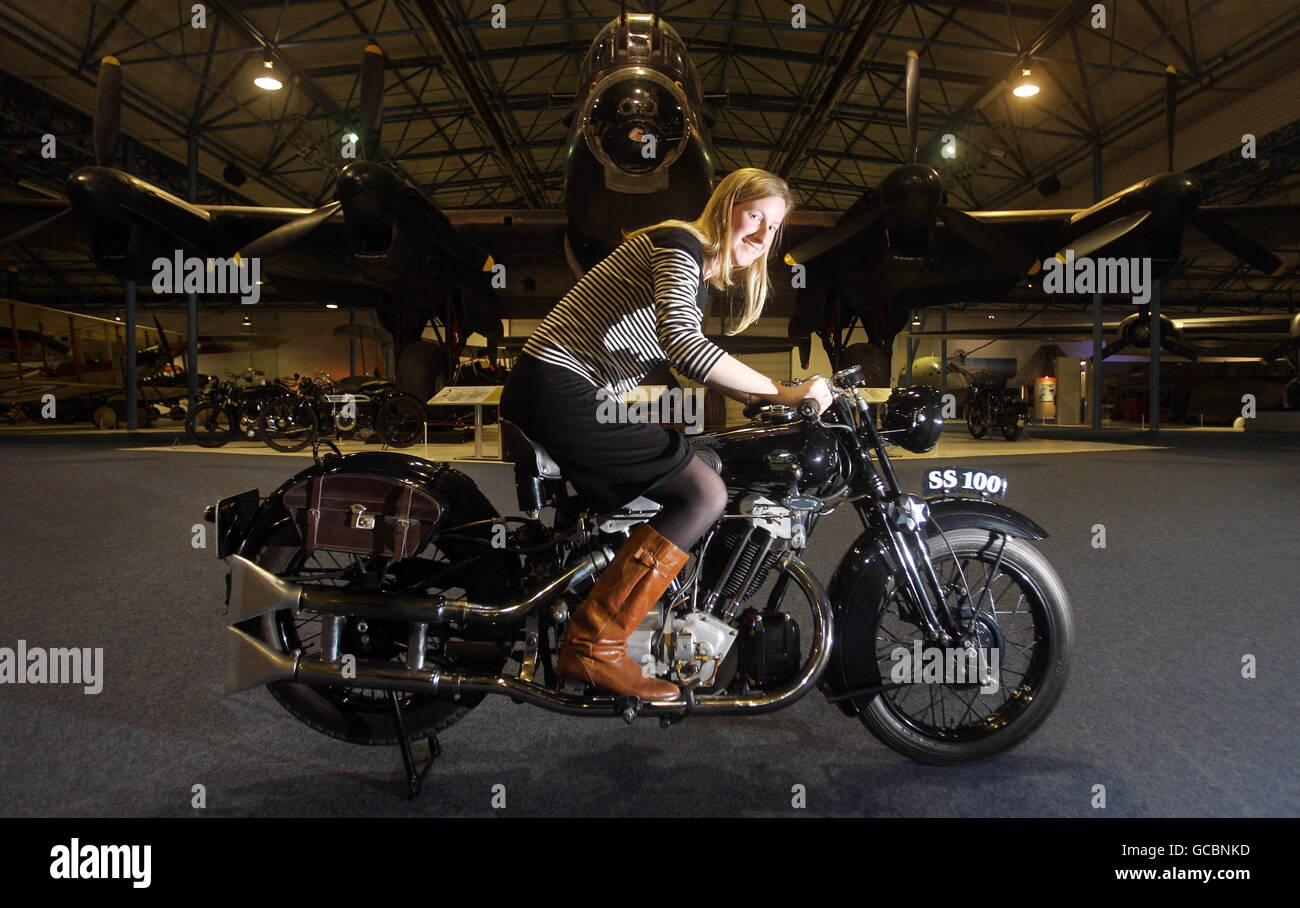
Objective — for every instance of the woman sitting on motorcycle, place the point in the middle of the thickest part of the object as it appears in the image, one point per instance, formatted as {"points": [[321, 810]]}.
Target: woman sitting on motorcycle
{"points": [[641, 306]]}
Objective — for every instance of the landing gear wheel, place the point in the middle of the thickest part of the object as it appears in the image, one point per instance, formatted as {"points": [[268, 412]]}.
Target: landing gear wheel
{"points": [[105, 417]]}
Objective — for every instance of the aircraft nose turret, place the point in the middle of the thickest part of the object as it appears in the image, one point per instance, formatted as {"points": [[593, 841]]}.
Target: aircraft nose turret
{"points": [[635, 123]]}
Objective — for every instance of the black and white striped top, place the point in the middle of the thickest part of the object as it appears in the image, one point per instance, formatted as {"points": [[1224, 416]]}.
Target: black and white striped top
{"points": [[643, 304]]}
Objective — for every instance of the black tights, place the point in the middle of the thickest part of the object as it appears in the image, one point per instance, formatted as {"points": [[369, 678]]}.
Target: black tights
{"points": [[692, 500]]}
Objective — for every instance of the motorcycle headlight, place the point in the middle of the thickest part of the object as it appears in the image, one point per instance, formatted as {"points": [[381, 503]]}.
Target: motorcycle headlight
{"points": [[913, 418]]}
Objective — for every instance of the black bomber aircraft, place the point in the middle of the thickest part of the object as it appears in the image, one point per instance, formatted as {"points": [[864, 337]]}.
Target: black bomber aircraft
{"points": [[637, 152], [902, 248]]}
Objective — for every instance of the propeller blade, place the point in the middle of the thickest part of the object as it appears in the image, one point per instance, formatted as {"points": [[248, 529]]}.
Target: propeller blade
{"points": [[989, 240], [913, 87], [32, 229], [1114, 347], [289, 232], [1240, 245], [1104, 235], [1171, 103], [372, 100], [108, 110], [1178, 348], [829, 239], [164, 343], [1282, 350]]}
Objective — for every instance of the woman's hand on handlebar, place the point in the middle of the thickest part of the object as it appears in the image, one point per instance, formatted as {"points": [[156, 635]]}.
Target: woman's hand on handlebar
{"points": [[815, 389]]}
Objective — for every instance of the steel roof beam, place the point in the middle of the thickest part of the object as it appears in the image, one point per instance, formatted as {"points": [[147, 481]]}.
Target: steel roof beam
{"points": [[442, 34]]}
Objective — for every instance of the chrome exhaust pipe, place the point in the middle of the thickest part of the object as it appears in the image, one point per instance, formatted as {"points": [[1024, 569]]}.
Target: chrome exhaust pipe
{"points": [[259, 661], [251, 663], [255, 591]]}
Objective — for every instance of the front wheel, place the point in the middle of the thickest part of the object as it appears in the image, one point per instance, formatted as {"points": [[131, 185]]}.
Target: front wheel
{"points": [[210, 425], [1024, 632]]}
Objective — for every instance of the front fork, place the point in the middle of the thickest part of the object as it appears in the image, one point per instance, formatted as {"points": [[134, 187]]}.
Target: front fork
{"points": [[905, 519]]}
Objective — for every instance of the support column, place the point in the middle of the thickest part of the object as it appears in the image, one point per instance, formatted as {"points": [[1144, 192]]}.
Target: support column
{"points": [[129, 367], [1153, 407], [192, 299], [943, 351], [1094, 396], [352, 342]]}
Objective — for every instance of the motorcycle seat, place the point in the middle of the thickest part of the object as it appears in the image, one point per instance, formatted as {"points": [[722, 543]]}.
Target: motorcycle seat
{"points": [[523, 452]]}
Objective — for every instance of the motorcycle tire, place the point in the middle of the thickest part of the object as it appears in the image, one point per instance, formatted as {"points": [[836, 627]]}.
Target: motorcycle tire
{"points": [[210, 425], [288, 425], [400, 421], [977, 422], [1018, 711], [1011, 431], [348, 714]]}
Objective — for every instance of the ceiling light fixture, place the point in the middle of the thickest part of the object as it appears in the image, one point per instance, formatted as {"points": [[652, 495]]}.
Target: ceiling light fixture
{"points": [[331, 305], [267, 79], [1025, 86]]}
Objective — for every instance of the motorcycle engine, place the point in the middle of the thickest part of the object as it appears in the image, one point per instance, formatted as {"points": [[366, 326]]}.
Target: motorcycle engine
{"points": [[694, 647]]}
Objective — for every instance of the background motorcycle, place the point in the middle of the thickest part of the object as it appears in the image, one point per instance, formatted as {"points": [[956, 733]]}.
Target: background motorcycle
{"points": [[322, 407], [231, 408], [381, 598], [989, 405]]}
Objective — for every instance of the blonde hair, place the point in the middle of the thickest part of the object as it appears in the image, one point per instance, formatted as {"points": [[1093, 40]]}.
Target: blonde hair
{"points": [[713, 229]]}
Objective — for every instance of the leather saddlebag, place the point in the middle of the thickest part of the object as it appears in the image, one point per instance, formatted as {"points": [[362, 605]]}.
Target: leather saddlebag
{"points": [[368, 515]]}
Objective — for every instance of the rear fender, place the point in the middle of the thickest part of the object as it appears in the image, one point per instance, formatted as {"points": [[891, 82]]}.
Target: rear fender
{"points": [[861, 582]]}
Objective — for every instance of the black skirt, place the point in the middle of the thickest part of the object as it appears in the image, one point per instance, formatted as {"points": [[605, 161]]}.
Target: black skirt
{"points": [[608, 462]]}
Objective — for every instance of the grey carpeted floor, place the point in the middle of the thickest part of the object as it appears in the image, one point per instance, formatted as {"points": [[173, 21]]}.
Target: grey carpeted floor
{"points": [[1199, 569]]}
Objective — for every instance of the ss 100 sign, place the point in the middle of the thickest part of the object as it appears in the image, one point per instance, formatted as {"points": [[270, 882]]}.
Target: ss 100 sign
{"points": [[965, 479]]}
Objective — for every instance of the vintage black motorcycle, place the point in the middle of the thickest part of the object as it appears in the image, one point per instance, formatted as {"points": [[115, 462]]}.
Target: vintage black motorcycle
{"points": [[232, 408], [381, 597], [988, 404], [358, 405]]}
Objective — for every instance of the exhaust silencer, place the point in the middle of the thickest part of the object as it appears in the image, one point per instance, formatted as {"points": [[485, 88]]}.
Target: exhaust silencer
{"points": [[251, 663]]}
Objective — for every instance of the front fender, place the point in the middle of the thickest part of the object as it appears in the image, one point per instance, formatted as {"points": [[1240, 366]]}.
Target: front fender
{"points": [[861, 582]]}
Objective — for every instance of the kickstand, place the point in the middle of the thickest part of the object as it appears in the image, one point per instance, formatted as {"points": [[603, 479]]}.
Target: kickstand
{"points": [[414, 780]]}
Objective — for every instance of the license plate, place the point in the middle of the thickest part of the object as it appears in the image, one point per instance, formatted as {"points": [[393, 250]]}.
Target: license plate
{"points": [[234, 517], [966, 481]]}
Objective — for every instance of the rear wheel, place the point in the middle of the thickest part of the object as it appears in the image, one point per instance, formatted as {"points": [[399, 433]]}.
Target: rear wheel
{"points": [[977, 419], [365, 716], [400, 421], [1023, 620], [1014, 425]]}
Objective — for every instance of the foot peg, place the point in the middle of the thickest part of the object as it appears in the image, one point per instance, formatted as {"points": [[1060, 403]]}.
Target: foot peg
{"points": [[630, 707]]}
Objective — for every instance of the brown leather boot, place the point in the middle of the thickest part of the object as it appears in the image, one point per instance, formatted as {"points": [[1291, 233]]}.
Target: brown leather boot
{"points": [[595, 648]]}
